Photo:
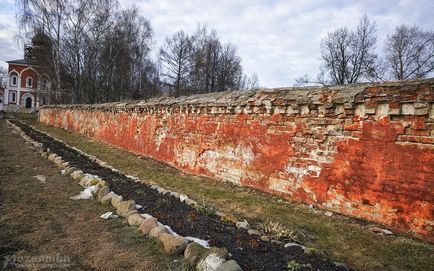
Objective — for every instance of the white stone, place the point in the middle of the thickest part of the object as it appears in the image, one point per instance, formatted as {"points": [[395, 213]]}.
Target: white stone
{"points": [[243, 225], [211, 262], [408, 109]]}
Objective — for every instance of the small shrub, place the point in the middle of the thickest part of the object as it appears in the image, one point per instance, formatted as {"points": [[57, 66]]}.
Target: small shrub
{"points": [[229, 218], [295, 266], [203, 209], [279, 231]]}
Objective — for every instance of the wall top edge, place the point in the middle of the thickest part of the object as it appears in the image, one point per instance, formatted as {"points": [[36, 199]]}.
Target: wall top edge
{"points": [[421, 90]]}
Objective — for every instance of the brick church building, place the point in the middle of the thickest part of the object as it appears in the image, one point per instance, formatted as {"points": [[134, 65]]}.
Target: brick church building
{"points": [[28, 81]]}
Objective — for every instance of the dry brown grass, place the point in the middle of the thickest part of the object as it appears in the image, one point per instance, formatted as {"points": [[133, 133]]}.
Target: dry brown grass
{"points": [[39, 218]]}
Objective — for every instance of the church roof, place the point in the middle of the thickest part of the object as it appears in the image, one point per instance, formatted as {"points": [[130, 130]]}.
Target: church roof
{"points": [[29, 61]]}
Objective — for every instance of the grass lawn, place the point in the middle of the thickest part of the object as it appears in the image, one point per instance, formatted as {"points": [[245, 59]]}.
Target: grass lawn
{"points": [[343, 239]]}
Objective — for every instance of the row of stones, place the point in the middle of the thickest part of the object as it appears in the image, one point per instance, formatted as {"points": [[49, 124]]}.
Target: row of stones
{"points": [[267, 107], [195, 255]]}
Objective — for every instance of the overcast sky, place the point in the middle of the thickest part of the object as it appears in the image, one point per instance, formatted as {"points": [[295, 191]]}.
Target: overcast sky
{"points": [[278, 40]]}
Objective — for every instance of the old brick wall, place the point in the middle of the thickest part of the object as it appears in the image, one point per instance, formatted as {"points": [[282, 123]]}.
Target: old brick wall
{"points": [[363, 150]]}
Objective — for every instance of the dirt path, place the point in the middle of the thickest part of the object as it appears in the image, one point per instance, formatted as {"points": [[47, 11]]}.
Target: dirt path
{"points": [[37, 218]]}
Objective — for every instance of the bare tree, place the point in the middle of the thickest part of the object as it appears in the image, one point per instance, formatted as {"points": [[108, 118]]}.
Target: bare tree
{"points": [[3, 77], [347, 55], [175, 57], [409, 53], [250, 83], [228, 68], [205, 59]]}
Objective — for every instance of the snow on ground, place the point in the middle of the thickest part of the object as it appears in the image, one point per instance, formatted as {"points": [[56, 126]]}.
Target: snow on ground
{"points": [[86, 193]]}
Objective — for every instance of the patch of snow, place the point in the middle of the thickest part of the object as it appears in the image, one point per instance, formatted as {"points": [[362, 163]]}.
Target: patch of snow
{"points": [[108, 215], [182, 198], [138, 206], [85, 194], [201, 242], [62, 172], [170, 230]]}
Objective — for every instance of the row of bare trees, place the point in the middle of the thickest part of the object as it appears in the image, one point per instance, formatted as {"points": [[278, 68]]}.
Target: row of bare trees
{"points": [[200, 63], [350, 56], [100, 52]]}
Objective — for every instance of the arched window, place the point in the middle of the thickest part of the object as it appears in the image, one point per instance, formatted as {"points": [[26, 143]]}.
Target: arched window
{"points": [[29, 82], [14, 80]]}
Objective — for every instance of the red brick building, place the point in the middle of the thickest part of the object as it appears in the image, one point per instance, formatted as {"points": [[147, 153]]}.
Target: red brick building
{"points": [[28, 84]]}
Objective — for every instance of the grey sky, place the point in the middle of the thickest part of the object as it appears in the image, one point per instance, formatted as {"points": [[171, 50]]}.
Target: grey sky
{"points": [[279, 40]]}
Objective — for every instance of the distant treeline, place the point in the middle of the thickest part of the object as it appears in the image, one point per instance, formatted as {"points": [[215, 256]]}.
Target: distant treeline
{"points": [[98, 52], [350, 55]]}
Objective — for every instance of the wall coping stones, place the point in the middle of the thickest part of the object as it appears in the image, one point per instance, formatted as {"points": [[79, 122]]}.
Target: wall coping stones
{"points": [[279, 100]]}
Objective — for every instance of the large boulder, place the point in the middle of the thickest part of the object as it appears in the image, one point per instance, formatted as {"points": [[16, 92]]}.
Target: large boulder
{"points": [[229, 266], [212, 259], [135, 219], [193, 252], [107, 199], [147, 225], [52, 156], [89, 180], [173, 244], [116, 200], [155, 232], [102, 192], [76, 175], [124, 207], [69, 170], [58, 161]]}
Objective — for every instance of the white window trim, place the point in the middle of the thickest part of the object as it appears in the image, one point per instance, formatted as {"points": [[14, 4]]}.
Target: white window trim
{"points": [[12, 80], [11, 94], [27, 82]]}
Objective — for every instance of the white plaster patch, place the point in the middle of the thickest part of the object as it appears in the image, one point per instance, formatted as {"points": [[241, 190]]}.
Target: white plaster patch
{"points": [[160, 135], [209, 158], [186, 157], [279, 185]]}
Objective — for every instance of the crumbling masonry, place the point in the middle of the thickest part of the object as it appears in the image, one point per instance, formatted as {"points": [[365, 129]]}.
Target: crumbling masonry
{"points": [[363, 150]]}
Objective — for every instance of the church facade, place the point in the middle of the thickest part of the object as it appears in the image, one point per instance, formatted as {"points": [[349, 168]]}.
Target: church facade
{"points": [[27, 85], [28, 82]]}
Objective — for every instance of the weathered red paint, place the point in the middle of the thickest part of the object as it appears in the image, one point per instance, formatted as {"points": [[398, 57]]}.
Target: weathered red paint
{"points": [[371, 156]]}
